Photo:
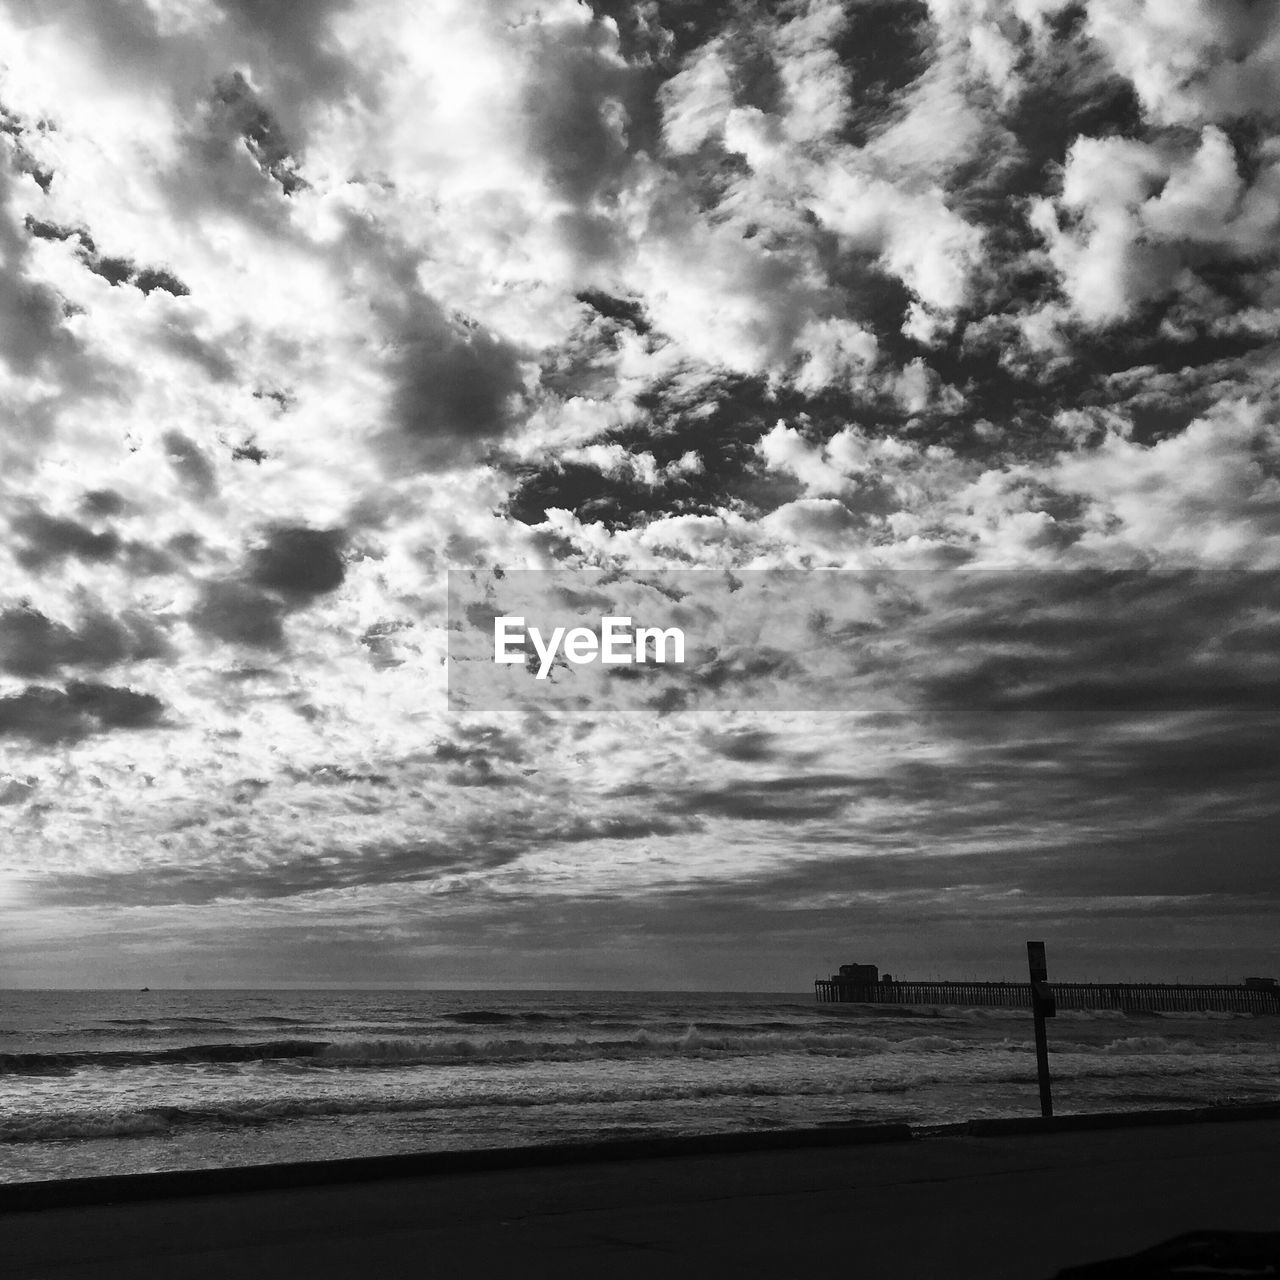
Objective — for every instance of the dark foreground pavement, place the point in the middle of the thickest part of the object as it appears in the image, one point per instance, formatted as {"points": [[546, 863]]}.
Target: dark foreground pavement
{"points": [[954, 1205]]}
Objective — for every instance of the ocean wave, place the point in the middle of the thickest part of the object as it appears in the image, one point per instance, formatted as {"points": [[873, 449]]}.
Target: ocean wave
{"points": [[695, 1041], [444, 1049], [500, 1099], [61, 1063], [253, 1112], [125, 1124], [1156, 1044], [177, 1019]]}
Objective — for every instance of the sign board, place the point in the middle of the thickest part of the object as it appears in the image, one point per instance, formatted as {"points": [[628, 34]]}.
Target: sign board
{"points": [[1036, 960]]}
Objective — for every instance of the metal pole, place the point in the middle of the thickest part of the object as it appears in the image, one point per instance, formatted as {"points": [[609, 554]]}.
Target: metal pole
{"points": [[1042, 1007]]}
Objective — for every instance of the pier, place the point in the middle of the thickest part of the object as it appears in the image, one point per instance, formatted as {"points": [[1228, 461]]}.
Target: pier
{"points": [[1255, 995]]}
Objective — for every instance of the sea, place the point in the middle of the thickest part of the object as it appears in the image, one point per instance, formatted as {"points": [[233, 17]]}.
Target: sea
{"points": [[112, 1082]]}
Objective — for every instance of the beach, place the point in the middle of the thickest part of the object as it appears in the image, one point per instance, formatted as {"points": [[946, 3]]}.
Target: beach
{"points": [[958, 1201]]}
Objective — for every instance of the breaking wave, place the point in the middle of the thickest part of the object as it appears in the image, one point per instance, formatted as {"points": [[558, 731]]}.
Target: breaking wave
{"points": [[249, 1112], [405, 1051], [60, 1063]]}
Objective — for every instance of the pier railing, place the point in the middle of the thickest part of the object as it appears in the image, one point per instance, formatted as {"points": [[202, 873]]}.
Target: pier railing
{"points": [[1160, 997]]}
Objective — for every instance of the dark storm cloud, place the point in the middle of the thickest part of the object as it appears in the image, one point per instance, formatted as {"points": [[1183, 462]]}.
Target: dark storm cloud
{"points": [[42, 715], [291, 567], [240, 614], [33, 645], [299, 562], [115, 708], [49, 716], [455, 392], [49, 539], [44, 539]]}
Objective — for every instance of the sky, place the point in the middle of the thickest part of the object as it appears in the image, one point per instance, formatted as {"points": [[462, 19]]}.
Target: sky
{"points": [[963, 313]]}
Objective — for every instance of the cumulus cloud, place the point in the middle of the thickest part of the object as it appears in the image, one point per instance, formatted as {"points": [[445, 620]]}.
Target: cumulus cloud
{"points": [[1192, 61], [1209, 495], [1145, 220]]}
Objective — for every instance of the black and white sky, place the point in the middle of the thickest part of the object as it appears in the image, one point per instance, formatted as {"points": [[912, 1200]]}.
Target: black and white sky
{"points": [[303, 304]]}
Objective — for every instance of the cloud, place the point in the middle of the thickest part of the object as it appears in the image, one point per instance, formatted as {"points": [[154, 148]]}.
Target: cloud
{"points": [[574, 104], [299, 562], [48, 539], [190, 462], [16, 790], [34, 645], [697, 100], [48, 716], [456, 388], [1192, 61], [1206, 496], [1146, 221], [304, 304], [31, 315], [797, 799], [240, 614]]}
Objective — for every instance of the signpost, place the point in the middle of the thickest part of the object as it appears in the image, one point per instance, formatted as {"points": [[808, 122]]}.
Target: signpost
{"points": [[1043, 1006]]}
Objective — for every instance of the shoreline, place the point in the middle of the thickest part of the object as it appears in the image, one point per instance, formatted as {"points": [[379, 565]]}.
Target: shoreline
{"points": [[108, 1189]]}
